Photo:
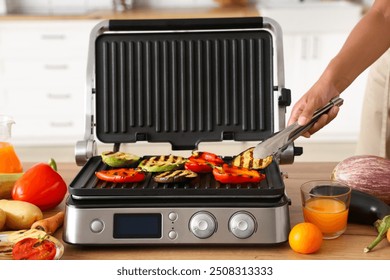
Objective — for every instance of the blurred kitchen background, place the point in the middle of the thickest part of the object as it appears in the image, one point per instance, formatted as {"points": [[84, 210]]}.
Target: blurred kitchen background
{"points": [[43, 57]]}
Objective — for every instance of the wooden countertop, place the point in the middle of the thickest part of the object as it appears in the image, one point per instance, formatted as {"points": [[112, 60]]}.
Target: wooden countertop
{"points": [[143, 13], [349, 246]]}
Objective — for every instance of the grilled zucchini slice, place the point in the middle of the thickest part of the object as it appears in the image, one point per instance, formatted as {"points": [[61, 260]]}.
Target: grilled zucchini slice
{"points": [[162, 163], [119, 159], [246, 159], [175, 176]]}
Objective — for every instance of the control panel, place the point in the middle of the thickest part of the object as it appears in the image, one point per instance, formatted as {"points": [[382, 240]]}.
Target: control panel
{"points": [[176, 225]]}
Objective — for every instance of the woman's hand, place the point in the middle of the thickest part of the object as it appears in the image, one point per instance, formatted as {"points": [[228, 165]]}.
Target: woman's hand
{"points": [[317, 97]]}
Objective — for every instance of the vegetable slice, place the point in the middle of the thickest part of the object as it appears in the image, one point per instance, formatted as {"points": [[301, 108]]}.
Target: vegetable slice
{"points": [[203, 162], [228, 174], [162, 163], [121, 175], [34, 249], [247, 160], [175, 176], [119, 159], [209, 157]]}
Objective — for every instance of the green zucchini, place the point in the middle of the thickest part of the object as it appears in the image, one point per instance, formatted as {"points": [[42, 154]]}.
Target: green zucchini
{"points": [[119, 159], [162, 163]]}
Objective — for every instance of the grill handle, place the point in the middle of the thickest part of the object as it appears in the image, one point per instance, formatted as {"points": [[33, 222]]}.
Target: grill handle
{"points": [[185, 24]]}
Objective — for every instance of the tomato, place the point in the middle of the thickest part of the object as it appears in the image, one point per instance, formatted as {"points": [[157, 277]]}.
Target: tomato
{"points": [[34, 249], [121, 175], [40, 185], [305, 238], [228, 174]]}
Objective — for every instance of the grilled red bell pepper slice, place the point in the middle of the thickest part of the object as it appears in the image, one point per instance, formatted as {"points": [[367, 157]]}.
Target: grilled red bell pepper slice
{"points": [[228, 174], [209, 157], [121, 175], [203, 162], [198, 165]]}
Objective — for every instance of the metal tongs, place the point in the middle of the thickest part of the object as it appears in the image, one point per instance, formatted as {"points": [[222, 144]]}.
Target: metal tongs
{"points": [[282, 139]]}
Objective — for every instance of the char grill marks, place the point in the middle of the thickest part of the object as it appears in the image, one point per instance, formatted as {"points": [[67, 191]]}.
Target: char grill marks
{"points": [[163, 160], [247, 160], [202, 182], [162, 163], [87, 185], [175, 176]]}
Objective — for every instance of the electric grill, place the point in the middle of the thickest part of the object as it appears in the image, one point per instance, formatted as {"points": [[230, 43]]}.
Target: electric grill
{"points": [[181, 81]]}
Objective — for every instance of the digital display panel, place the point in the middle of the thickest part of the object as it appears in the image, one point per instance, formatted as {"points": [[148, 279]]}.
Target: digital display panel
{"points": [[137, 225]]}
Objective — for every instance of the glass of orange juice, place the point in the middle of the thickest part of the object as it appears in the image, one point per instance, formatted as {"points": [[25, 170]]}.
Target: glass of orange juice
{"points": [[325, 203], [9, 160]]}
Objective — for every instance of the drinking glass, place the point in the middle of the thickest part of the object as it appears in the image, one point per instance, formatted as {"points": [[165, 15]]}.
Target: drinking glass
{"points": [[325, 203]]}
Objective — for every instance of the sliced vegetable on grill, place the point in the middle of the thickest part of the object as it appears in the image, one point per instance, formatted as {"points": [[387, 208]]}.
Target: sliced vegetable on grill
{"points": [[121, 175], [162, 163], [119, 159], [246, 160], [228, 174], [198, 165], [175, 176], [209, 157], [203, 162]]}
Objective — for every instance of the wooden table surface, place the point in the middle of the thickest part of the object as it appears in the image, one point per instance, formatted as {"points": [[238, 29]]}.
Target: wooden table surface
{"points": [[349, 246]]}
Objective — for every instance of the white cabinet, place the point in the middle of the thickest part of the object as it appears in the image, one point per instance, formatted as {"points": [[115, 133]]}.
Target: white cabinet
{"points": [[42, 79], [313, 33]]}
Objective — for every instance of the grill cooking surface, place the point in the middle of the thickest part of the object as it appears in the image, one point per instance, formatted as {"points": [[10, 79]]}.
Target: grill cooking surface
{"points": [[184, 88], [87, 185]]}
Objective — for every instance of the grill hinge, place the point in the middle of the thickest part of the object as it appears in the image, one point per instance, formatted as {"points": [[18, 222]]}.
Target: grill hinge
{"points": [[285, 97]]}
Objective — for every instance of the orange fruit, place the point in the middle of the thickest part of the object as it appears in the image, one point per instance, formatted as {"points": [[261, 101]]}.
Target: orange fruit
{"points": [[305, 238]]}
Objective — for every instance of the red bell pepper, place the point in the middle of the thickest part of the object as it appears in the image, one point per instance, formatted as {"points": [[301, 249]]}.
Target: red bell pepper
{"points": [[209, 157], [198, 165], [203, 162], [40, 185], [228, 174], [121, 175]]}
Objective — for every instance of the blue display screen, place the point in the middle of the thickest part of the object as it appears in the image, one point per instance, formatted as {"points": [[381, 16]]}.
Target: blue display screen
{"points": [[137, 225]]}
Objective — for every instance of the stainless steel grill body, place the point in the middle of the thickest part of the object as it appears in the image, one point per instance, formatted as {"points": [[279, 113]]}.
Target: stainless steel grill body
{"points": [[182, 82]]}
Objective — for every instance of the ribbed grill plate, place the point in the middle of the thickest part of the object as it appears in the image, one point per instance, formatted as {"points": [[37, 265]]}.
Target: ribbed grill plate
{"points": [[184, 87], [87, 185]]}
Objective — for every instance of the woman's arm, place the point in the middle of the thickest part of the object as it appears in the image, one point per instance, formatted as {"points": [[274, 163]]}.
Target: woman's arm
{"points": [[368, 40]]}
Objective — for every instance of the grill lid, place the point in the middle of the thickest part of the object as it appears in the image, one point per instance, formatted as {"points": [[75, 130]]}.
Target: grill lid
{"points": [[184, 81]]}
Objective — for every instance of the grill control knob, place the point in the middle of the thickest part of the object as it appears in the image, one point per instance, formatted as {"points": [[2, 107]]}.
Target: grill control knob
{"points": [[203, 224], [242, 225]]}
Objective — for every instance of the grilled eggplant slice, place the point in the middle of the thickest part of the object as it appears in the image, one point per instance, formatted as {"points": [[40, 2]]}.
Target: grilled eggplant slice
{"points": [[162, 163], [175, 176], [119, 159], [246, 159]]}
